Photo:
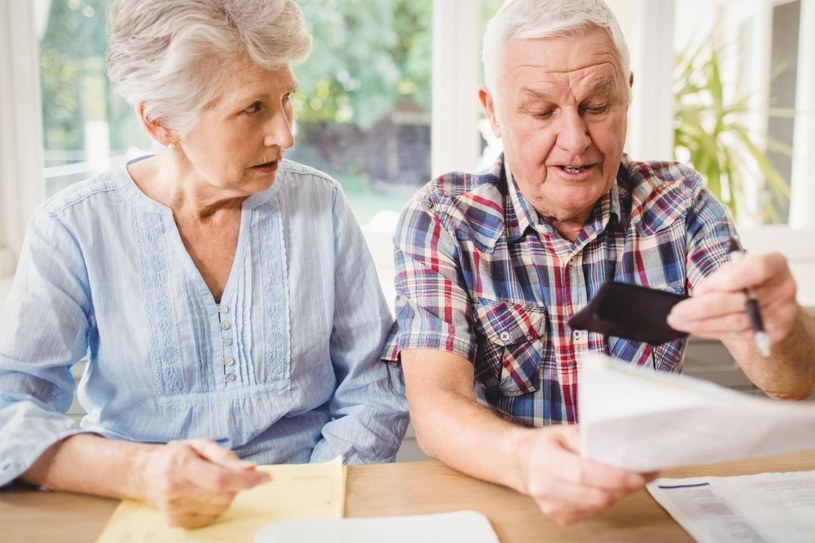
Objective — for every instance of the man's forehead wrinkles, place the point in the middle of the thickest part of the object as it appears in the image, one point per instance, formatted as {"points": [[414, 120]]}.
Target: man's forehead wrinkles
{"points": [[603, 84]]}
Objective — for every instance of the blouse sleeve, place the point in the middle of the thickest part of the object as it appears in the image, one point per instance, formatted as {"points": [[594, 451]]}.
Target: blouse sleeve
{"points": [[368, 408], [43, 332]]}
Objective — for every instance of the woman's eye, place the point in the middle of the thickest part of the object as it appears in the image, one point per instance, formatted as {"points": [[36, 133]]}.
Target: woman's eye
{"points": [[254, 108]]}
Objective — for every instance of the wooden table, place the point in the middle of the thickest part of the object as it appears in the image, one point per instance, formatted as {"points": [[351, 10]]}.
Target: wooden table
{"points": [[30, 516]]}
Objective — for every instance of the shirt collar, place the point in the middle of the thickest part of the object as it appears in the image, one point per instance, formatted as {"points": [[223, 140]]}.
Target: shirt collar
{"points": [[518, 215]]}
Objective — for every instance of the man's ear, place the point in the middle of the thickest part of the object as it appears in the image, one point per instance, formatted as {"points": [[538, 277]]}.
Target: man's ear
{"points": [[157, 128], [488, 104]]}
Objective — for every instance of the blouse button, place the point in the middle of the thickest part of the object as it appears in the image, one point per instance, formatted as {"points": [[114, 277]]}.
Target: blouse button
{"points": [[224, 325], [229, 377], [227, 340], [228, 361], [223, 309]]}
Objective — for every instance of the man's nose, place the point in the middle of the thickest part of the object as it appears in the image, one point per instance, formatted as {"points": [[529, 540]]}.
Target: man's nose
{"points": [[573, 132]]}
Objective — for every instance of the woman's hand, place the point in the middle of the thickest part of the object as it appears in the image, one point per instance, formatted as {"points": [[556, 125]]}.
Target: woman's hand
{"points": [[193, 482]]}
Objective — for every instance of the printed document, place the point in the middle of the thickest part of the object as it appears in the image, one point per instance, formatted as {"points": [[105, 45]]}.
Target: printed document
{"points": [[642, 420], [469, 526], [296, 491], [763, 508]]}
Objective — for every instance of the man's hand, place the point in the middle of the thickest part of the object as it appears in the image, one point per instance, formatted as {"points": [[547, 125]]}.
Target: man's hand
{"points": [[567, 487], [717, 309], [193, 482]]}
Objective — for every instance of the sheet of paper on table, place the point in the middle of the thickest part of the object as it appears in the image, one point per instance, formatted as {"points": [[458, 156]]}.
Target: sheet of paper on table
{"points": [[762, 508], [642, 420], [469, 526], [296, 491]]}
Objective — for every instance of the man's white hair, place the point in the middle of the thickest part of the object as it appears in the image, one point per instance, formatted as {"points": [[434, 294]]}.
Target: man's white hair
{"points": [[532, 19], [171, 55]]}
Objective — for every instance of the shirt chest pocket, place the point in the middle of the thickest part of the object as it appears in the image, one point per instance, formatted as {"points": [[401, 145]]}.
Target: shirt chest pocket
{"points": [[511, 340]]}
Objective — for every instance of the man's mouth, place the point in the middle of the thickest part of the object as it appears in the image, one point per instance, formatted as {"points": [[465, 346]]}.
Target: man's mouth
{"points": [[576, 169]]}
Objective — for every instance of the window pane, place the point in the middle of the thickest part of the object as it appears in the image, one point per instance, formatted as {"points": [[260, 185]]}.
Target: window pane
{"points": [[363, 109], [86, 126]]}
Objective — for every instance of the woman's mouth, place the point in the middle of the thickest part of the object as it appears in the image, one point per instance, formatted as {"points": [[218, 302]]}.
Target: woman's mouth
{"points": [[267, 167]]}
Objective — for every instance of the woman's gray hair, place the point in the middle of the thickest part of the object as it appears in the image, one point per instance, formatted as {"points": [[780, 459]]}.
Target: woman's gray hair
{"points": [[171, 55], [532, 19]]}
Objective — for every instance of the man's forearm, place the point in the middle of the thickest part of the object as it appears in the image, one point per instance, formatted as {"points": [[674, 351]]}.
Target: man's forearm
{"points": [[486, 447], [789, 372]]}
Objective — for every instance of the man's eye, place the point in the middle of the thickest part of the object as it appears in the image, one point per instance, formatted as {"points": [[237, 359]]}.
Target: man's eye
{"points": [[598, 109], [545, 114]]}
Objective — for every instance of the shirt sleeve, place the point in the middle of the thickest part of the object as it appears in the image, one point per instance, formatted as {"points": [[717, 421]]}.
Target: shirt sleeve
{"points": [[368, 408], [43, 330], [432, 304], [709, 231]]}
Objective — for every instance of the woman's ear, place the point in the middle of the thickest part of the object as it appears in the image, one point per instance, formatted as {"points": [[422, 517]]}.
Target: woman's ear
{"points": [[157, 129]]}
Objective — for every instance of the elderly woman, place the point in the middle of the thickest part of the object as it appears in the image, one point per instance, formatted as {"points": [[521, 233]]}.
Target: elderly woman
{"points": [[223, 296]]}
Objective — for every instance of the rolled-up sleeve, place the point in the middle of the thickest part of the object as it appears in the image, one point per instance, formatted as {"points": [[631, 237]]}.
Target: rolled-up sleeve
{"points": [[432, 304]]}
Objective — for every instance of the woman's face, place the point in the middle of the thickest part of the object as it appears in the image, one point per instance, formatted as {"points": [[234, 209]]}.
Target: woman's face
{"points": [[242, 135]]}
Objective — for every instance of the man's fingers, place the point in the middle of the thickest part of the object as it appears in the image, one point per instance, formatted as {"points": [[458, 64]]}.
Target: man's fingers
{"points": [[577, 495]]}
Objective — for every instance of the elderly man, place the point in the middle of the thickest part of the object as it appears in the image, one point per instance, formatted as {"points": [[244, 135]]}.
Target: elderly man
{"points": [[491, 266]]}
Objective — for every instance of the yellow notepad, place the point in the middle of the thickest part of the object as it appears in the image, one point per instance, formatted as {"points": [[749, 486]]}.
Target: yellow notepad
{"points": [[297, 491]]}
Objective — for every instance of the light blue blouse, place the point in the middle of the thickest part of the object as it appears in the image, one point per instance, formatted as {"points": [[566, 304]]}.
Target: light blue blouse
{"points": [[285, 369]]}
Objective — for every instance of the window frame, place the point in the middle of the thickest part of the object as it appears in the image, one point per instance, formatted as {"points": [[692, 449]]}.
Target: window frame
{"points": [[22, 187]]}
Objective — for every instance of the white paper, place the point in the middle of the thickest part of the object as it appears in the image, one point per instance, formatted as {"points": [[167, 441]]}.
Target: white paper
{"points": [[464, 526], [763, 508], [642, 420]]}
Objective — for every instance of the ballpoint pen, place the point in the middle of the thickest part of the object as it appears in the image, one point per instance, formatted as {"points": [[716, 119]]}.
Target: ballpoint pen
{"points": [[759, 334]]}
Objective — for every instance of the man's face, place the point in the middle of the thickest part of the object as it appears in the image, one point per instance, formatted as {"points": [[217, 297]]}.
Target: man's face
{"points": [[561, 113]]}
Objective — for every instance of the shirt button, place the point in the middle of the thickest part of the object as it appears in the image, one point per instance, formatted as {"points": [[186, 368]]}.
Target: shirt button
{"points": [[229, 377], [228, 361], [224, 325], [504, 336], [223, 309], [577, 335], [227, 340]]}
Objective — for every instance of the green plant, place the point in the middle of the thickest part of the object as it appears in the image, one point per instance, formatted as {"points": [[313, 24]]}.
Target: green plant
{"points": [[710, 130]]}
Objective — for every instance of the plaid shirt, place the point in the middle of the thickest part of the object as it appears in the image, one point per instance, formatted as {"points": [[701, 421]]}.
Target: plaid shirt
{"points": [[480, 275]]}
